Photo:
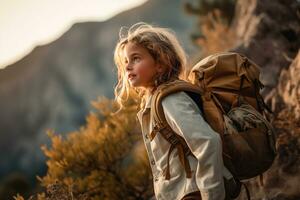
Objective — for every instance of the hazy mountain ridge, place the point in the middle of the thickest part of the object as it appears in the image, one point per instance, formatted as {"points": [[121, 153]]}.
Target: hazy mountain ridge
{"points": [[52, 86]]}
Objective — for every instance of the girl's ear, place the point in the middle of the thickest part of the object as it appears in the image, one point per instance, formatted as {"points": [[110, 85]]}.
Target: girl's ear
{"points": [[160, 68]]}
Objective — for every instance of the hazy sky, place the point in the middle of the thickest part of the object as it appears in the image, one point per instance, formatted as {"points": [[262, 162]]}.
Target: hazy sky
{"points": [[26, 23]]}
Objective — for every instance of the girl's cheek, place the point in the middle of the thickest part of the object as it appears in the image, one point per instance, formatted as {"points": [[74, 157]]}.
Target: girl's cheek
{"points": [[141, 70]]}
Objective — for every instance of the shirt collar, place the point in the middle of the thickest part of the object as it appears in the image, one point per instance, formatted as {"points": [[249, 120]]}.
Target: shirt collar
{"points": [[148, 101], [147, 106]]}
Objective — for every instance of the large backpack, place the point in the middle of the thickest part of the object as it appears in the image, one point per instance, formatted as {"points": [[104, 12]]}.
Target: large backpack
{"points": [[226, 88]]}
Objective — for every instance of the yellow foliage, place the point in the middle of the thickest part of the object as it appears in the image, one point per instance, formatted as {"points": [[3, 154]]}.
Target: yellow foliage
{"points": [[100, 160], [18, 197], [218, 36]]}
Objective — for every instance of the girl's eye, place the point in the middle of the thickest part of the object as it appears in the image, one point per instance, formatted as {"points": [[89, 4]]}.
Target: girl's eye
{"points": [[136, 59]]}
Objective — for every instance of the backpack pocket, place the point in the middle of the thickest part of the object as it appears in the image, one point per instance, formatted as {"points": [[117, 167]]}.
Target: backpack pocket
{"points": [[249, 141]]}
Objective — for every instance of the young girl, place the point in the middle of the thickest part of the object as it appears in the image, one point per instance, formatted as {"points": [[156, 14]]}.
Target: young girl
{"points": [[146, 57]]}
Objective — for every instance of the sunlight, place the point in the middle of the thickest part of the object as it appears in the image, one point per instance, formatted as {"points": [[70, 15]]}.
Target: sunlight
{"points": [[26, 24]]}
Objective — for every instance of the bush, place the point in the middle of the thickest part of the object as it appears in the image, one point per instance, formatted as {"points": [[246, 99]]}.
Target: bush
{"points": [[103, 160]]}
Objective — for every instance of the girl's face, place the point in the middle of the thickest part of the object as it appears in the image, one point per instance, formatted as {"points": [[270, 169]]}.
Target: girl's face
{"points": [[140, 66]]}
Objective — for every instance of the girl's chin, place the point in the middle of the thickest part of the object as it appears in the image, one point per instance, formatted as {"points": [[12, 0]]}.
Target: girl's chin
{"points": [[133, 83]]}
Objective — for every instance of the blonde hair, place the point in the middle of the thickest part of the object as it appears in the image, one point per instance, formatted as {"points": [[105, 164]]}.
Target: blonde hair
{"points": [[163, 46]]}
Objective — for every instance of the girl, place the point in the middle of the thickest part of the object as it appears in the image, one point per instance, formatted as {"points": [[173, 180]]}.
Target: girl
{"points": [[146, 57]]}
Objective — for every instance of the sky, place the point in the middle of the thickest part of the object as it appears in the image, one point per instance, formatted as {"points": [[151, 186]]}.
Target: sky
{"points": [[25, 24]]}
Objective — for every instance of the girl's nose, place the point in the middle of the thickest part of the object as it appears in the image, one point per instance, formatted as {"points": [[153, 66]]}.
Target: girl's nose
{"points": [[128, 67]]}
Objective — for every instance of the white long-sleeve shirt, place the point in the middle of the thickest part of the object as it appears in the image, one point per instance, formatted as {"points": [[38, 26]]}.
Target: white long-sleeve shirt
{"points": [[208, 170]]}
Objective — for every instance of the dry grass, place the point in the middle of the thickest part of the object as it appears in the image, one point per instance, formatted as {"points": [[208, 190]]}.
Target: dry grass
{"points": [[217, 35]]}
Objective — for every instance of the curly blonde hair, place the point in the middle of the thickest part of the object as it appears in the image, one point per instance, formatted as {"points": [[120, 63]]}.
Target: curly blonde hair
{"points": [[162, 45]]}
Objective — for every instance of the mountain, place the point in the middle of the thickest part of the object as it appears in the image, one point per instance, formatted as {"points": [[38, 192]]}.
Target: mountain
{"points": [[51, 88]]}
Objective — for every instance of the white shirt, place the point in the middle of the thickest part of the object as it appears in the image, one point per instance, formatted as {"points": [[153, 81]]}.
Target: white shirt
{"points": [[184, 117]]}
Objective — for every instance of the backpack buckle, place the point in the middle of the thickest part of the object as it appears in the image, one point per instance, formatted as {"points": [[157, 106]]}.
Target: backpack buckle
{"points": [[200, 75]]}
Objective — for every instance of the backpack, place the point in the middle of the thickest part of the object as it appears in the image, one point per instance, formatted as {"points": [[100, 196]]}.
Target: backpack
{"points": [[226, 87]]}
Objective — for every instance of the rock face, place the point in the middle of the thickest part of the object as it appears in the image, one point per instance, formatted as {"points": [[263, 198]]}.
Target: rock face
{"points": [[288, 88], [286, 174], [52, 86], [282, 179], [268, 32]]}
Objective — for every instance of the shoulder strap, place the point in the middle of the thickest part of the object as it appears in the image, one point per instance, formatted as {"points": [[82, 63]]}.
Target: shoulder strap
{"points": [[164, 90], [161, 126]]}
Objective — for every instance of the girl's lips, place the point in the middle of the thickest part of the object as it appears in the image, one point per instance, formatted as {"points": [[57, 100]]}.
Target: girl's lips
{"points": [[131, 76]]}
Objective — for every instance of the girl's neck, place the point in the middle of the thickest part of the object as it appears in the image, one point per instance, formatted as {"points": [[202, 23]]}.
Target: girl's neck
{"points": [[148, 92]]}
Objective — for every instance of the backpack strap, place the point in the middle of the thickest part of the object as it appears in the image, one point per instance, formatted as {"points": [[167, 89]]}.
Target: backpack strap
{"points": [[166, 89], [161, 125]]}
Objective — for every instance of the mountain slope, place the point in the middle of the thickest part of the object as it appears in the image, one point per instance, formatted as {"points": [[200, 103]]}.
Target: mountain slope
{"points": [[52, 86]]}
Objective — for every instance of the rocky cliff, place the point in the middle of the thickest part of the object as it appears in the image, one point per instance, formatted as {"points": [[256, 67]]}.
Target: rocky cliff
{"points": [[269, 33]]}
